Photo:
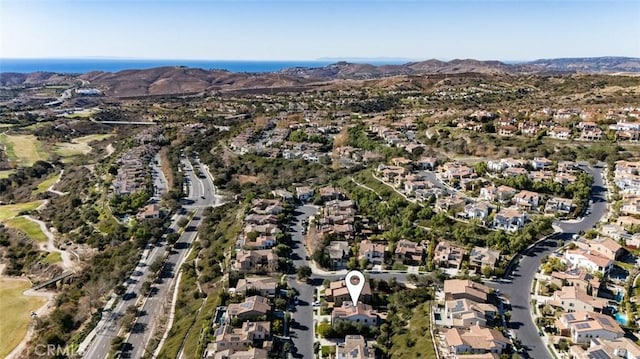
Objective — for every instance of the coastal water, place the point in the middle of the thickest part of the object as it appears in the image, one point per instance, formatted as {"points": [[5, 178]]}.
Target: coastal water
{"points": [[114, 65]]}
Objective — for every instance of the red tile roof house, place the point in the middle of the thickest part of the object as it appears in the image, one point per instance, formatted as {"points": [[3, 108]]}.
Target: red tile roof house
{"points": [[373, 252], [476, 340], [409, 253], [251, 308], [360, 313], [581, 326], [337, 293]]}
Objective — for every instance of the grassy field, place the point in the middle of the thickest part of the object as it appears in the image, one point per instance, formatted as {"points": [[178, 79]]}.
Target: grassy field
{"points": [[15, 309], [78, 146], [23, 149], [12, 210], [44, 185], [83, 113], [52, 258], [416, 340], [30, 228], [6, 173]]}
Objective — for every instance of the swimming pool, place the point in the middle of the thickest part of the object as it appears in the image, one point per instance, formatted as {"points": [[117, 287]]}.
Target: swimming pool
{"points": [[621, 318]]}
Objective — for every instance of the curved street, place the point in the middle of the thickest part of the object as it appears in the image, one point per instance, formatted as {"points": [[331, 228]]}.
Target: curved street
{"points": [[517, 285]]}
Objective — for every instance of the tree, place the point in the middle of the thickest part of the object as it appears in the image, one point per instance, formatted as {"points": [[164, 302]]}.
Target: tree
{"points": [[182, 222], [487, 271], [304, 272], [325, 330]]}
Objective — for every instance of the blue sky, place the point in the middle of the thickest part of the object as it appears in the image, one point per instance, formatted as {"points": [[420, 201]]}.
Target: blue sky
{"points": [[307, 30]]}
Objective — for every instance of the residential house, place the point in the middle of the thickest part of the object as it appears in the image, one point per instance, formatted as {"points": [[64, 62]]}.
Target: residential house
{"points": [[507, 130], [266, 206], [401, 161], [540, 163], [252, 307], [527, 200], [515, 172], [465, 288], [251, 334], [509, 219], [448, 255], [427, 163], [372, 252], [282, 194], [304, 193], [564, 178], [150, 211], [600, 348], [256, 260], [581, 326], [579, 278], [466, 313], [590, 260], [453, 203], [392, 174], [504, 194], [354, 347], [572, 298], [477, 210], [337, 293], [330, 193], [483, 257], [408, 252], [558, 205], [606, 247], [559, 133], [476, 340], [265, 286], [253, 353], [594, 134], [411, 187], [541, 176], [338, 254], [359, 313]]}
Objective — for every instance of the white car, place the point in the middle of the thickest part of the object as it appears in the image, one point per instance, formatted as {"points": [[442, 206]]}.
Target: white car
{"points": [[316, 304]]}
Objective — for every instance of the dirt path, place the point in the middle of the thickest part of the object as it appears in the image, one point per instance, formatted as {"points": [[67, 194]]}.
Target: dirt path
{"points": [[110, 150], [50, 189], [50, 245]]}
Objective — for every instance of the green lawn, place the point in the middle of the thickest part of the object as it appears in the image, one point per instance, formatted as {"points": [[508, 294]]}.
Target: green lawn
{"points": [[16, 310], [416, 341], [78, 146], [11, 210], [23, 149], [53, 258], [30, 228], [44, 185]]}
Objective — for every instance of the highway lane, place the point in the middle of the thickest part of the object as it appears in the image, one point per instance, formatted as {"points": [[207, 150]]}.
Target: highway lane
{"points": [[518, 289], [109, 326], [157, 303]]}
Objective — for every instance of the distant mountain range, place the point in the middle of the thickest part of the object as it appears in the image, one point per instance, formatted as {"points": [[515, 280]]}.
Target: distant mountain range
{"points": [[171, 80], [347, 70]]}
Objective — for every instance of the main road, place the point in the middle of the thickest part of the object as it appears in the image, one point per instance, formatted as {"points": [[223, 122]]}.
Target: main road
{"points": [[202, 194], [517, 288]]}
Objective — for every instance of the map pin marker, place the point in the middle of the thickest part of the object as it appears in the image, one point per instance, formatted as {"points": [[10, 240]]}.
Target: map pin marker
{"points": [[355, 282]]}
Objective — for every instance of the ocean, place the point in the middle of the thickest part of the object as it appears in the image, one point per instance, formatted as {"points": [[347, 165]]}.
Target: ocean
{"points": [[79, 66]]}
